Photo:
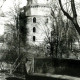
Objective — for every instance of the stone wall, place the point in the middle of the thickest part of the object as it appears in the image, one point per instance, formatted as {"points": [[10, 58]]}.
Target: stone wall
{"points": [[57, 66]]}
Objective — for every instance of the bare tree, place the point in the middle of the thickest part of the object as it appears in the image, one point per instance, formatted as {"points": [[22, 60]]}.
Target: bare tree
{"points": [[1, 5], [65, 32], [14, 35], [72, 18]]}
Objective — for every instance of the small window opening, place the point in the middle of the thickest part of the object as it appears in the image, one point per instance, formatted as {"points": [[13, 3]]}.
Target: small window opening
{"points": [[34, 29], [34, 20], [47, 0], [47, 20], [34, 38]]}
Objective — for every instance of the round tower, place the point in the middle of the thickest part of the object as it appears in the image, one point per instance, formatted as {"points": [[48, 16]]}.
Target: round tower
{"points": [[38, 21]]}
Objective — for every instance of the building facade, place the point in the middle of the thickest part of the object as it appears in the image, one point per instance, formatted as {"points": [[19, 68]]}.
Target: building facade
{"points": [[38, 24]]}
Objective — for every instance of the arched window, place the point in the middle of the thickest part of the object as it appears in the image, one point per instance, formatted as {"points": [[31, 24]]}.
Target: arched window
{"points": [[34, 20], [47, 0], [34, 29], [34, 38], [47, 20]]}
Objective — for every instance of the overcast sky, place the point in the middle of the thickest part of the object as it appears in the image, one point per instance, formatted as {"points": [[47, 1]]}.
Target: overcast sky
{"points": [[6, 7], [9, 3]]}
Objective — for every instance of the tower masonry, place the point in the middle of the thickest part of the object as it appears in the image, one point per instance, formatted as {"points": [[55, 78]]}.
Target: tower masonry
{"points": [[38, 24]]}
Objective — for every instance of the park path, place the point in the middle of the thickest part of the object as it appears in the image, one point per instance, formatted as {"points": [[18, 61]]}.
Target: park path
{"points": [[65, 77], [60, 76]]}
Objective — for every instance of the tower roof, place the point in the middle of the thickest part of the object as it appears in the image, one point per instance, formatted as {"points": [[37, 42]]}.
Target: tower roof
{"points": [[41, 7]]}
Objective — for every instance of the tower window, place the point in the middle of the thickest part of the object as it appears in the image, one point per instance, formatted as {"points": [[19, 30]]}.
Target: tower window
{"points": [[34, 29], [34, 38], [34, 20], [47, 20]]}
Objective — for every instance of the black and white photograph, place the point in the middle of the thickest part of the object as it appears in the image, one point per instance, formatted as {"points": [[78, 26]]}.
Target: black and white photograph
{"points": [[39, 39]]}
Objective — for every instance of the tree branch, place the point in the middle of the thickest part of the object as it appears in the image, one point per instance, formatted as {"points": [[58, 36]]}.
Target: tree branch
{"points": [[73, 9], [65, 13], [74, 18]]}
